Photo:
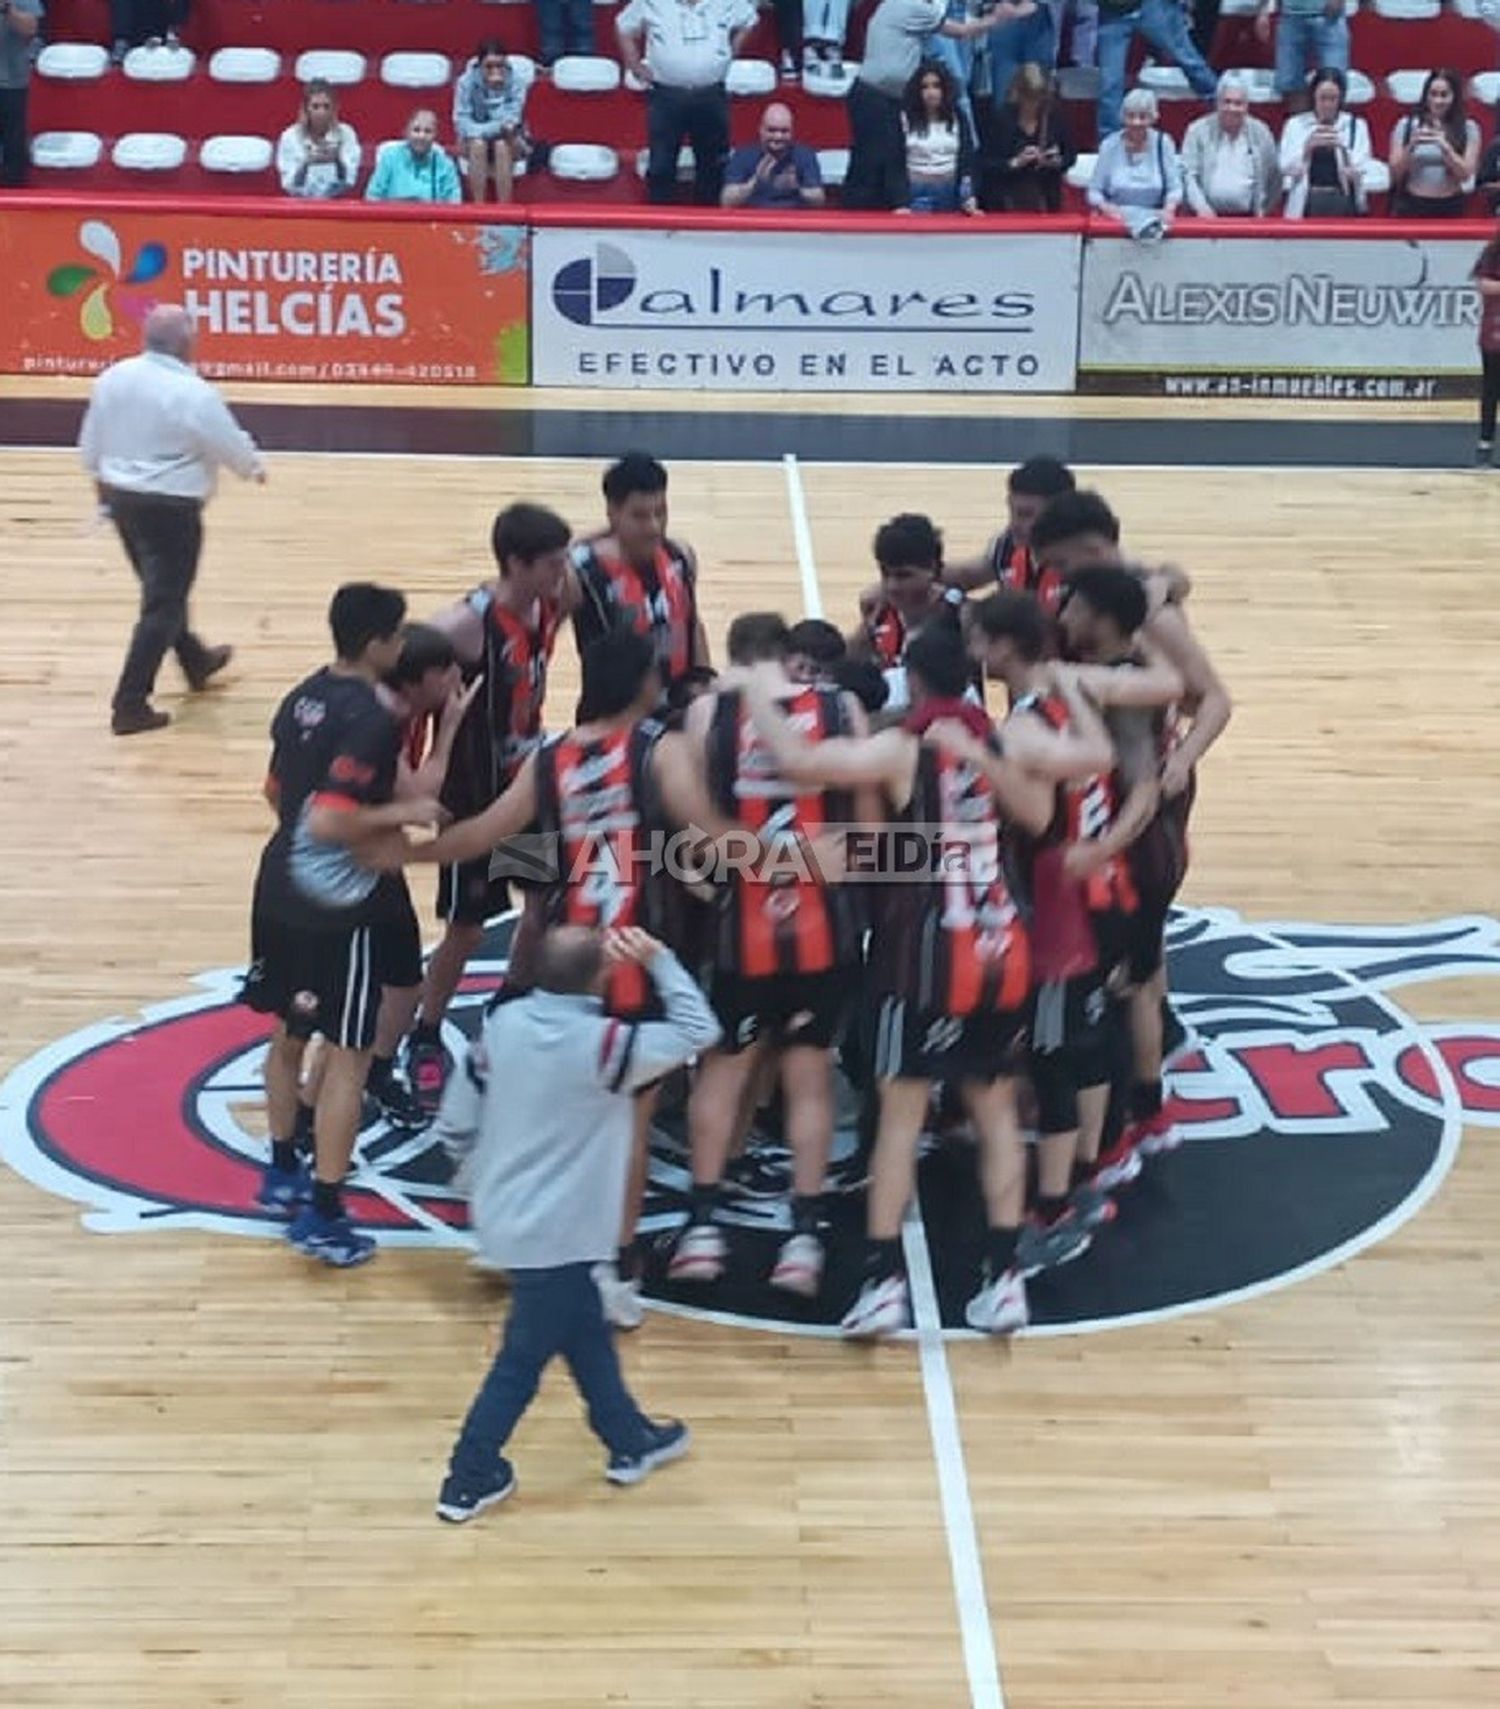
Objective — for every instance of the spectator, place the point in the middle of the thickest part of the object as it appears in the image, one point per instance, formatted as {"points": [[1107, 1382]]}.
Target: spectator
{"points": [[688, 48], [19, 20], [489, 103], [157, 23], [1229, 160], [893, 51], [1164, 25], [957, 53], [1017, 42], [318, 156], [939, 156], [1434, 153], [1324, 153], [1489, 175], [1312, 34], [565, 26], [1027, 150], [1486, 277], [1137, 179], [825, 23], [777, 171], [414, 169]]}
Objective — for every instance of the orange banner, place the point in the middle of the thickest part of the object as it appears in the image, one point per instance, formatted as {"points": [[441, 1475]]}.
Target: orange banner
{"points": [[275, 299]]}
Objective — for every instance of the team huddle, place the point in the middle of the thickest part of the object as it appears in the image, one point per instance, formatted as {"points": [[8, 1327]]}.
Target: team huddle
{"points": [[868, 876]]}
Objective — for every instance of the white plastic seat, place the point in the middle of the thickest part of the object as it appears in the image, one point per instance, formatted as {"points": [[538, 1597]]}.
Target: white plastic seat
{"points": [[686, 167], [751, 77], [416, 70], [1485, 88], [586, 74], [523, 68], [1360, 91], [337, 66], [150, 151], [235, 154], [1409, 11], [833, 163], [830, 88], [158, 65], [1238, 8], [1078, 83], [72, 62], [1166, 82], [1377, 177], [245, 65], [66, 151], [1081, 172], [1406, 86], [583, 162], [1260, 80]]}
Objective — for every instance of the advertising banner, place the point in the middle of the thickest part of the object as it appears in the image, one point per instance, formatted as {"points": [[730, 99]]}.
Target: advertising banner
{"points": [[293, 299], [1265, 317], [806, 310]]}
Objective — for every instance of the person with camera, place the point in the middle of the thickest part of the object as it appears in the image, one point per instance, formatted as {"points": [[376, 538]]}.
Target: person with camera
{"points": [[1025, 149], [1324, 153], [1434, 153], [318, 156]]}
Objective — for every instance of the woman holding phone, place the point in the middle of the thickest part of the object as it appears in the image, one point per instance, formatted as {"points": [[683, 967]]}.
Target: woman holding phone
{"points": [[1434, 153], [1324, 153]]}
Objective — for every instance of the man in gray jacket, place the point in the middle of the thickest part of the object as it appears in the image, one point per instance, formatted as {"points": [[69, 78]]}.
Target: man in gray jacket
{"points": [[542, 1109], [1229, 161]]}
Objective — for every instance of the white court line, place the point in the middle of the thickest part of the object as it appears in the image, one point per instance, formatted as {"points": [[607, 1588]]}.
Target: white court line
{"points": [[975, 1630]]}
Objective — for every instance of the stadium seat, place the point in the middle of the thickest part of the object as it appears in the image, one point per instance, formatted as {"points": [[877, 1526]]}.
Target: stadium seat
{"points": [[751, 77], [158, 65], [337, 66], [1377, 178], [149, 151], [1078, 83], [583, 162], [66, 151], [1166, 82], [245, 65], [828, 88], [1405, 87], [1361, 91], [1409, 11], [1485, 88], [684, 164], [1081, 172], [236, 154], [416, 70], [1260, 80], [833, 163], [72, 62], [586, 74], [523, 67], [1238, 8]]}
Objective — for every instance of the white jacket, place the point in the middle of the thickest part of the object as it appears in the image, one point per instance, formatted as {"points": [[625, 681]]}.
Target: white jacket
{"points": [[1354, 134]]}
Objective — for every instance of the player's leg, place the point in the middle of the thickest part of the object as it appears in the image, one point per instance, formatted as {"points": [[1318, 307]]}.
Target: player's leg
{"points": [[1000, 1304], [399, 952], [807, 1084], [713, 1104], [884, 1304]]}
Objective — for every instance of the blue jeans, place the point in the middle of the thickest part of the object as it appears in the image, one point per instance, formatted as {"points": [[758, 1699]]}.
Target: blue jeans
{"points": [[566, 26], [934, 199], [1164, 24], [1022, 41], [552, 1312], [1306, 44]]}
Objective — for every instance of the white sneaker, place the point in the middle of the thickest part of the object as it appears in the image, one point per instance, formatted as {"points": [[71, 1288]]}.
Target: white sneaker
{"points": [[799, 1265], [1000, 1306], [619, 1295], [699, 1255], [883, 1308]]}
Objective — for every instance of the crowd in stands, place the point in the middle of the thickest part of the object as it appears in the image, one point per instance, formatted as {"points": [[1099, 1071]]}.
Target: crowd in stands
{"points": [[953, 106]]}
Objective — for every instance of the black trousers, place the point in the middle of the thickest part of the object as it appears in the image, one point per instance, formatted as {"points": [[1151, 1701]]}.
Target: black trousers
{"points": [[700, 115], [162, 538], [877, 150], [15, 151], [1489, 397]]}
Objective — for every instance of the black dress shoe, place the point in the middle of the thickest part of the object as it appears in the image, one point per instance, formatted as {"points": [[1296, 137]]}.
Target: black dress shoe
{"points": [[136, 720], [214, 660]]}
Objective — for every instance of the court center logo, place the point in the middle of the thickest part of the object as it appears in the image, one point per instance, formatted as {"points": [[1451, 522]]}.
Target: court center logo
{"points": [[109, 292], [591, 285], [1319, 1115]]}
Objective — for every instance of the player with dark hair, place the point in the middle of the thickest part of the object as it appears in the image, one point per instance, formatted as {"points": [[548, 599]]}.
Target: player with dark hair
{"points": [[909, 555], [813, 648], [1008, 560]]}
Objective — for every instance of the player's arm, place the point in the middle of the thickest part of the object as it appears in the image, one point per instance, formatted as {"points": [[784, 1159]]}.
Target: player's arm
{"points": [[883, 760], [426, 779], [1135, 765], [1155, 682], [702, 653], [972, 573], [1062, 756], [1025, 796], [470, 838], [338, 818], [677, 769], [464, 627], [1204, 694]]}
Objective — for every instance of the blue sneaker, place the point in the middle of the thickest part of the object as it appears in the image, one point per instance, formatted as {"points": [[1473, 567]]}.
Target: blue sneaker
{"points": [[333, 1239], [284, 1191], [664, 1442], [464, 1498]]}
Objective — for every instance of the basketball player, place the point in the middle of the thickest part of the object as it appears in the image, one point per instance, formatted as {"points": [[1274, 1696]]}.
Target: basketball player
{"points": [[814, 649], [785, 960], [1007, 561], [634, 574], [598, 791], [909, 555], [327, 932], [949, 969], [503, 634]]}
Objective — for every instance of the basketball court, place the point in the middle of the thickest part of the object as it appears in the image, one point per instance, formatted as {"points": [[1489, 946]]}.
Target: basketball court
{"points": [[1248, 1458]]}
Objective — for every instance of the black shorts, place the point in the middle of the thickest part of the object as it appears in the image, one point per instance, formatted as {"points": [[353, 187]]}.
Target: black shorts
{"points": [[1071, 1047], [328, 980], [468, 896], [912, 1043], [1145, 939], [793, 1010]]}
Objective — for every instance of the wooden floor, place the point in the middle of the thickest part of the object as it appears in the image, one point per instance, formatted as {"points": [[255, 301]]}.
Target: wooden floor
{"points": [[217, 1464]]}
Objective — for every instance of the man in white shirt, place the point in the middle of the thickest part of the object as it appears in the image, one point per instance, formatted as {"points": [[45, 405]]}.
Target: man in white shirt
{"points": [[1230, 166], [682, 51], [153, 438]]}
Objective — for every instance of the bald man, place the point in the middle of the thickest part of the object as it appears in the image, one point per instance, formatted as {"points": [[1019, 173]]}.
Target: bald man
{"points": [[154, 437], [775, 172]]}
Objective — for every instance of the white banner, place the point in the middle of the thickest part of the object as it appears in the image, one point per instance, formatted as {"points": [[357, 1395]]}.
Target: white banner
{"points": [[805, 311], [1392, 314]]}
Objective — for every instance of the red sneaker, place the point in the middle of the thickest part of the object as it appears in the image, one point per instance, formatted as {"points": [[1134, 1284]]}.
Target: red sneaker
{"points": [[1155, 1134], [1119, 1165]]}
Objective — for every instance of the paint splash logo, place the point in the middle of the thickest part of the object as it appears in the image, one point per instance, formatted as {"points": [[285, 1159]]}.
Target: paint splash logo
{"points": [[109, 295]]}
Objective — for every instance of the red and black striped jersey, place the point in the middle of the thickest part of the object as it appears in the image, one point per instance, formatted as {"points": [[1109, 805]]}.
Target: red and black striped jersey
{"points": [[1015, 567], [660, 602], [951, 939], [786, 922]]}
